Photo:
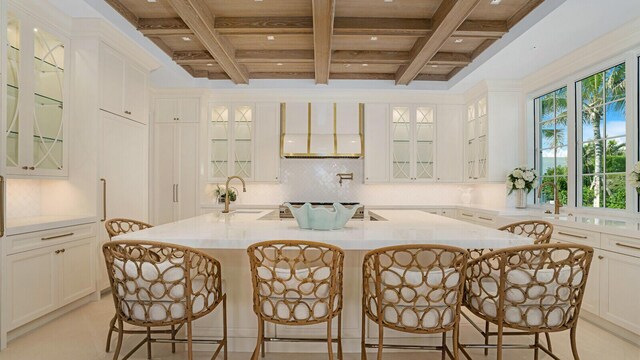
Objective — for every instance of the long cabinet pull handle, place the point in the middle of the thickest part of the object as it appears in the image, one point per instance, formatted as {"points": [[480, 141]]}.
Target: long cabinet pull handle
{"points": [[177, 193], [56, 236], [104, 199], [485, 218], [1, 206], [173, 198], [467, 215], [627, 246], [572, 235]]}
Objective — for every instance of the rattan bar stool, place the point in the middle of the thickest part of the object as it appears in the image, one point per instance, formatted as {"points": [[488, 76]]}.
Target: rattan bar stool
{"points": [[115, 227], [541, 232], [535, 289], [297, 283], [414, 289], [158, 285]]}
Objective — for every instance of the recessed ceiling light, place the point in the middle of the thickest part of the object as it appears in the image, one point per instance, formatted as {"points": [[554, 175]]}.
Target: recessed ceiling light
{"points": [[374, 38], [209, 64], [258, 0], [434, 66], [151, 1], [271, 37], [365, 64], [388, 1], [495, 2], [186, 38], [279, 64], [458, 41], [35, 29], [347, 65]]}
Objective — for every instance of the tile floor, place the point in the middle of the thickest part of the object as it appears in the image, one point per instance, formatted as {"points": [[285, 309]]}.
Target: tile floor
{"points": [[81, 334]]}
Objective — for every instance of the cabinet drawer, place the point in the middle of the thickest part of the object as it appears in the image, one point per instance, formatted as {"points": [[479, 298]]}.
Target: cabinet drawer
{"points": [[466, 215], [485, 219], [621, 244], [576, 236], [34, 240]]}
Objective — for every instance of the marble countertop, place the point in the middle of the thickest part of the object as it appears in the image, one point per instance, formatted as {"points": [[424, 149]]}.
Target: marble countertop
{"points": [[244, 227], [24, 225]]}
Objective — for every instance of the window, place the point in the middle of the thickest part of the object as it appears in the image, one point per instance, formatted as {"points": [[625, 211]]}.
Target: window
{"points": [[601, 136], [552, 146]]}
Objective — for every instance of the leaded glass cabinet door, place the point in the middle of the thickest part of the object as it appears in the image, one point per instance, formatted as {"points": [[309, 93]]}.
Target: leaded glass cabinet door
{"points": [[401, 143], [48, 124], [481, 134], [219, 142], [13, 91], [242, 141], [470, 145], [424, 130]]}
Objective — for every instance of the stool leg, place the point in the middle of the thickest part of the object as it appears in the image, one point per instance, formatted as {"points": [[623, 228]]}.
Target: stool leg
{"points": [[574, 345], [380, 339], [263, 347], [536, 351], [363, 348], [456, 341], [329, 338], [340, 337], [173, 337], [499, 345], [189, 341], [116, 353], [149, 343], [486, 337], [259, 341], [548, 341], [112, 325], [224, 326], [444, 345]]}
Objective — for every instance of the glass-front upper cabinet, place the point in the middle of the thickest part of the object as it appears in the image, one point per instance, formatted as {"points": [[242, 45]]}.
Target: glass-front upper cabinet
{"points": [[231, 134], [36, 89], [412, 139], [476, 140]]}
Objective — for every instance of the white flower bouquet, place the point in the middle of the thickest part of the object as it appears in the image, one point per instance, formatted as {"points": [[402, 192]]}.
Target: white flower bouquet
{"points": [[521, 179], [634, 176]]}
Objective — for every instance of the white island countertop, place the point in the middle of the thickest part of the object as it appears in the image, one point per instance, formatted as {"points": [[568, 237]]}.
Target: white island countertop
{"points": [[242, 228]]}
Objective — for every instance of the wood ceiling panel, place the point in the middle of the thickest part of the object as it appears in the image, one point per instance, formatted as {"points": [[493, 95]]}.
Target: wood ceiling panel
{"points": [[144, 9], [280, 42], [359, 68], [176, 43], [285, 67], [242, 8], [503, 11], [213, 68], [468, 45], [439, 70], [364, 42], [379, 8]]}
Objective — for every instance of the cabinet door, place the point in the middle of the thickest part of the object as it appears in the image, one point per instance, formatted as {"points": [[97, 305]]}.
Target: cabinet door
{"points": [[189, 110], [77, 270], [123, 164], [32, 281], [450, 155], [267, 138], [591, 300], [243, 139], [423, 145], [376, 143], [166, 111], [112, 80], [187, 170], [135, 93], [218, 147], [620, 290], [165, 144], [401, 140]]}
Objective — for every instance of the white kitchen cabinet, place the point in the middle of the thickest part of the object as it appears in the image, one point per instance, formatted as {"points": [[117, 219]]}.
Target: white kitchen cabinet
{"points": [[490, 150], [230, 141], [267, 139], [123, 164], [183, 110], [37, 89], [376, 143], [175, 171], [620, 289], [412, 143], [123, 86], [42, 280], [449, 151]]}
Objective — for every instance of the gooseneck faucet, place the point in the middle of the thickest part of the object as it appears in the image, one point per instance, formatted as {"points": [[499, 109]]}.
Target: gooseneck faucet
{"points": [[556, 199], [226, 197]]}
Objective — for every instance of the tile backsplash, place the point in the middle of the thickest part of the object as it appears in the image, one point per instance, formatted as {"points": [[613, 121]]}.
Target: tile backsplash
{"points": [[317, 180], [23, 198]]}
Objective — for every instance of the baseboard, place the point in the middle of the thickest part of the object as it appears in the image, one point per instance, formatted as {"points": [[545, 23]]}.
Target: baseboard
{"points": [[610, 327]]}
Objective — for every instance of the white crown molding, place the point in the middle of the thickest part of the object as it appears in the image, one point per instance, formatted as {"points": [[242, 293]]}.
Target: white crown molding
{"points": [[43, 13], [92, 27]]}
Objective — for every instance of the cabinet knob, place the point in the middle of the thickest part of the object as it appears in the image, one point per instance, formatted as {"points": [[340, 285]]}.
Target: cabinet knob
{"points": [[600, 257], [32, 168], [127, 112], [25, 168]]}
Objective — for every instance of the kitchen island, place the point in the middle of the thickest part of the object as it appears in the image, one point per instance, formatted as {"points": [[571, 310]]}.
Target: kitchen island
{"points": [[226, 237]]}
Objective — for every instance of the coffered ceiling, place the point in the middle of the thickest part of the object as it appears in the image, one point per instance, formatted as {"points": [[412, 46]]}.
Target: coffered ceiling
{"points": [[401, 40]]}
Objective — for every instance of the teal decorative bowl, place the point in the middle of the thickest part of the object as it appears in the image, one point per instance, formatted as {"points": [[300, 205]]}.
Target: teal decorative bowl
{"points": [[322, 218]]}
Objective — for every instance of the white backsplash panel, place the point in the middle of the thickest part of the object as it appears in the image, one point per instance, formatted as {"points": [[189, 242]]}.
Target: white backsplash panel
{"points": [[23, 198], [317, 180]]}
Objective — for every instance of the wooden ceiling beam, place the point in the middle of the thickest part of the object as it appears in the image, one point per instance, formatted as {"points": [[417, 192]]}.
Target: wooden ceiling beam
{"points": [[323, 16], [369, 57], [458, 59], [124, 11], [283, 75], [482, 29], [163, 27], [431, 77], [202, 57], [361, 76], [446, 20], [197, 16], [264, 25], [381, 26], [528, 7]]}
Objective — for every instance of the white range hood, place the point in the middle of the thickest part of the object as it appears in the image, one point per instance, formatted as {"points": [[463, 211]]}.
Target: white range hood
{"points": [[320, 130]]}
